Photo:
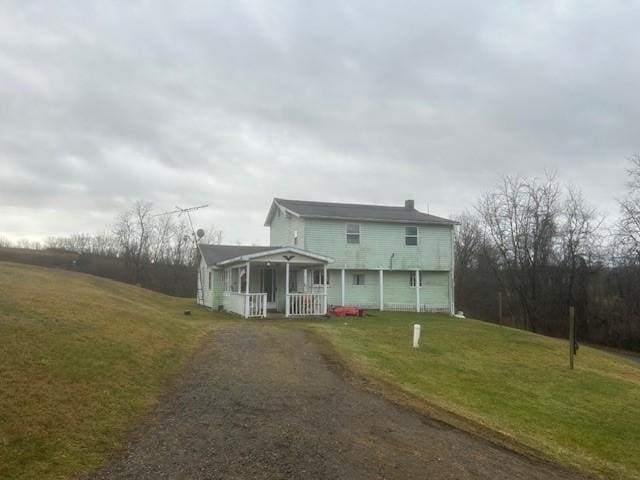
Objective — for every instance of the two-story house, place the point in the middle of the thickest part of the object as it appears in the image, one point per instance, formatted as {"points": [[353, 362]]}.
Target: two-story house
{"points": [[323, 254]]}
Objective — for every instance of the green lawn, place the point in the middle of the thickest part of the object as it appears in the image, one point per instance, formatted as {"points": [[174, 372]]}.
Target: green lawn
{"points": [[512, 381], [81, 358]]}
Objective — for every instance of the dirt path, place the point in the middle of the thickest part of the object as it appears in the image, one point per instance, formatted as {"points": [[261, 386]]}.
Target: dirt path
{"points": [[259, 402]]}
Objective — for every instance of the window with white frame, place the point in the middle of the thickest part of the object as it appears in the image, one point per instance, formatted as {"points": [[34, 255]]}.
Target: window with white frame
{"points": [[412, 279], [357, 279], [411, 235], [353, 233], [318, 278]]}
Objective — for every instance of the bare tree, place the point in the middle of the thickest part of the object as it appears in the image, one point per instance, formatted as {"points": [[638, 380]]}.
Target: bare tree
{"points": [[467, 245], [628, 232], [578, 236], [468, 239], [520, 220], [132, 230]]}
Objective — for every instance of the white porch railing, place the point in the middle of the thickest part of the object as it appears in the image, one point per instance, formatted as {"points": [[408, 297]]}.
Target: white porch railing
{"points": [[247, 305], [255, 305], [306, 304]]}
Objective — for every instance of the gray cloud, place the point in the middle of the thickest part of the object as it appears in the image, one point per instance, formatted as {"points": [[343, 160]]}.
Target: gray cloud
{"points": [[231, 103]]}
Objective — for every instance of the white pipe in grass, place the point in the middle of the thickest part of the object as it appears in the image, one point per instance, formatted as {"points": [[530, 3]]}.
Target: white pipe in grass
{"points": [[416, 336]]}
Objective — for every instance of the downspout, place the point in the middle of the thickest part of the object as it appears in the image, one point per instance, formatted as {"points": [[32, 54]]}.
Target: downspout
{"points": [[391, 261]]}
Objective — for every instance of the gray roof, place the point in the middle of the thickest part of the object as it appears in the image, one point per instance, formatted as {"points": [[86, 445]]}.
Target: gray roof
{"points": [[355, 211], [217, 253]]}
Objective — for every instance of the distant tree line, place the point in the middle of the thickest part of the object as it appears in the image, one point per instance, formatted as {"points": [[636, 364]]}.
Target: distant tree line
{"points": [[154, 251], [541, 247]]}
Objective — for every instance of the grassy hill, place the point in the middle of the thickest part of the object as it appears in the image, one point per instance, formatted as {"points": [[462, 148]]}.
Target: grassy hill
{"points": [[512, 382], [81, 358]]}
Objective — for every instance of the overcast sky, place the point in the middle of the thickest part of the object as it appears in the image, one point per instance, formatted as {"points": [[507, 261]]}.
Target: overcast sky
{"points": [[233, 103]]}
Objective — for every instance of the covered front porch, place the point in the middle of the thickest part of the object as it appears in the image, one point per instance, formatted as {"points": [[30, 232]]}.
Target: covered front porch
{"points": [[286, 281]]}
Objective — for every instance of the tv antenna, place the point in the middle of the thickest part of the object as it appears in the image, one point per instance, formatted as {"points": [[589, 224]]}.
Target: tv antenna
{"points": [[196, 236]]}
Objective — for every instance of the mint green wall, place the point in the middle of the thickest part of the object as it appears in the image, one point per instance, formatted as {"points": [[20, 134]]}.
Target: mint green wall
{"points": [[213, 294], [367, 295], [282, 231], [218, 288], [377, 242], [434, 292]]}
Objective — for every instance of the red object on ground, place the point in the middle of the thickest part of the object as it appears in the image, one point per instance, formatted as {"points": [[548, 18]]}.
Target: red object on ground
{"points": [[346, 311]]}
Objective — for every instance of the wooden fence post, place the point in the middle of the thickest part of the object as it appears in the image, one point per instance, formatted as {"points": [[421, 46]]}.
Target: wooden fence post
{"points": [[572, 336]]}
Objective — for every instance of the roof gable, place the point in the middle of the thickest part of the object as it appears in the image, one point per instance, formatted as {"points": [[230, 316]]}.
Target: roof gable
{"points": [[354, 211], [275, 255]]}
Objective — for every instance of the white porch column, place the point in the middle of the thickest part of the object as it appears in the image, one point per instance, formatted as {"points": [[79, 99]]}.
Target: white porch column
{"points": [[381, 290], [304, 281], [452, 278], [286, 290], [247, 273], [239, 280], [342, 275], [324, 302], [417, 290]]}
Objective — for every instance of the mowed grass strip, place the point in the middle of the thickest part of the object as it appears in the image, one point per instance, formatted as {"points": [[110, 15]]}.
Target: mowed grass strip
{"points": [[81, 358], [509, 380]]}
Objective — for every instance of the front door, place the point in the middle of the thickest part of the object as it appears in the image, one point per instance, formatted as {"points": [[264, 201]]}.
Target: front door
{"points": [[269, 287]]}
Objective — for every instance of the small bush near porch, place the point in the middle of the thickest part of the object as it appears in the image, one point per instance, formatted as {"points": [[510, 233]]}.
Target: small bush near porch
{"points": [[512, 381]]}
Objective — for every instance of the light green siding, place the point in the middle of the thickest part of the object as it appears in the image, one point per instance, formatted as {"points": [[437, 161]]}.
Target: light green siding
{"points": [[397, 291], [283, 228], [434, 293], [382, 246], [212, 293], [217, 288], [366, 295], [378, 242]]}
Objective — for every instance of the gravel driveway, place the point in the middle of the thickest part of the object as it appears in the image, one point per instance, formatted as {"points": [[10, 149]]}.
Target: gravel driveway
{"points": [[260, 402]]}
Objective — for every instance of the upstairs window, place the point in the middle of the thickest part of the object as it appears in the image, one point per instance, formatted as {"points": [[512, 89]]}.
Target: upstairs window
{"points": [[412, 279], [353, 233], [358, 279], [318, 278], [411, 235]]}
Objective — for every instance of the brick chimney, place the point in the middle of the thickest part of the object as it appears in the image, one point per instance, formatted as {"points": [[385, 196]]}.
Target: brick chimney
{"points": [[409, 205]]}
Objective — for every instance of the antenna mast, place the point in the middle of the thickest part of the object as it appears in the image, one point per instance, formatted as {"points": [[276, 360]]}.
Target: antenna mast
{"points": [[196, 236]]}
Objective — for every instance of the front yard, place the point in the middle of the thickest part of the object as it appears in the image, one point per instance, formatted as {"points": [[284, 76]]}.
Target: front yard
{"points": [[83, 358], [511, 381]]}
